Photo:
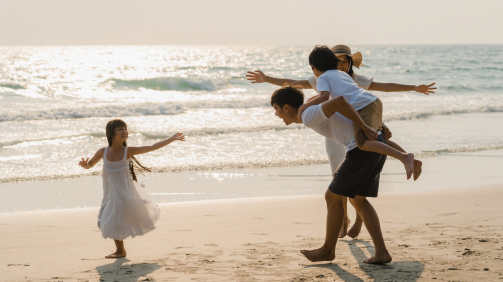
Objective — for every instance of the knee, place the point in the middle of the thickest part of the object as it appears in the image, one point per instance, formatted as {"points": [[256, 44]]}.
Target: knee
{"points": [[358, 201], [332, 198]]}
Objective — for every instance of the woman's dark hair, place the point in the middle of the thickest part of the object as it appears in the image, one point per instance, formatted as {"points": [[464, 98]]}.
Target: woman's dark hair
{"points": [[350, 64], [288, 95], [134, 163], [323, 59]]}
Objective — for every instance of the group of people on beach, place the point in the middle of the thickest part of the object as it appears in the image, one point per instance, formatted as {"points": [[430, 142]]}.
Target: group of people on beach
{"points": [[344, 112]]}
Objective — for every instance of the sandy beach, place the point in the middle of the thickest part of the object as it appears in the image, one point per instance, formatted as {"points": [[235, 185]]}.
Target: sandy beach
{"points": [[450, 234]]}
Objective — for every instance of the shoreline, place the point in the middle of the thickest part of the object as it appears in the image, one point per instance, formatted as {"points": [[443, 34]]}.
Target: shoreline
{"points": [[445, 171]]}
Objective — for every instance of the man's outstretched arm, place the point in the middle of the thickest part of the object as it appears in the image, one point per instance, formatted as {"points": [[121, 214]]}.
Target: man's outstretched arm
{"points": [[340, 105]]}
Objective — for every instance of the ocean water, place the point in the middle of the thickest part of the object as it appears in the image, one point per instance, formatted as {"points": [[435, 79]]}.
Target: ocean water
{"points": [[56, 101]]}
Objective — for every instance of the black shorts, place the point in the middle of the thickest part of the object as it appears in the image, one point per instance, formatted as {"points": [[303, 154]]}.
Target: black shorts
{"points": [[359, 173]]}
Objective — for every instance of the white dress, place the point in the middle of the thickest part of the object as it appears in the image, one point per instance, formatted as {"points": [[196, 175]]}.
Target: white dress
{"points": [[126, 209]]}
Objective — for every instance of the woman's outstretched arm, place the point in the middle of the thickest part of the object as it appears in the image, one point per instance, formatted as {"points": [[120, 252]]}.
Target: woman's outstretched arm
{"points": [[395, 87], [259, 77], [145, 149]]}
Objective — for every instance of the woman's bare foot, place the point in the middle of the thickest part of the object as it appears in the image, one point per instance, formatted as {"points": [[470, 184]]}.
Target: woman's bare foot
{"points": [[355, 230], [319, 255], [117, 254], [417, 169], [378, 259], [408, 162], [345, 226]]}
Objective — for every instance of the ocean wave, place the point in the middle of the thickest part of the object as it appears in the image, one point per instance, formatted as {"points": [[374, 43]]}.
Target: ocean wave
{"points": [[155, 135], [170, 83], [426, 114], [235, 163], [87, 112], [12, 86], [127, 110]]}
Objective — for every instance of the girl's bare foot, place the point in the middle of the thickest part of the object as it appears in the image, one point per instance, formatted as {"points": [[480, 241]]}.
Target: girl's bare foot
{"points": [[344, 229], [417, 169], [319, 255], [378, 259], [117, 254], [408, 162]]}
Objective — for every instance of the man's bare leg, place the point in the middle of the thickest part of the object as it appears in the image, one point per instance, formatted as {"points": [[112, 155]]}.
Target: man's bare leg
{"points": [[371, 221], [335, 217], [120, 252]]}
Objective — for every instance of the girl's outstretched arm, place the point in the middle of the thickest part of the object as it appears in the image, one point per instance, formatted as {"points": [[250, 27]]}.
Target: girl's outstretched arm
{"points": [[145, 149], [87, 164], [395, 87], [259, 77]]}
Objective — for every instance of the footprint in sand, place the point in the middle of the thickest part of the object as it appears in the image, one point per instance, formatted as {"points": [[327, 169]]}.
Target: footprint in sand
{"points": [[211, 245]]}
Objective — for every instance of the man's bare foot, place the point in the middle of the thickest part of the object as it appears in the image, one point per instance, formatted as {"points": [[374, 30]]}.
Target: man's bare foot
{"points": [[118, 254], [319, 255], [344, 229], [408, 162], [378, 259], [417, 169], [355, 230]]}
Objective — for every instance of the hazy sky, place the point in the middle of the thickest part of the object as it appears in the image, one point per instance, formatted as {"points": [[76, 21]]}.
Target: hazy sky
{"points": [[82, 22]]}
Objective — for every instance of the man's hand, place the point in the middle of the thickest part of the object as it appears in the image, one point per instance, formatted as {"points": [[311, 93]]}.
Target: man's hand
{"points": [[256, 77], [425, 89], [83, 163], [179, 137], [386, 132], [370, 133]]}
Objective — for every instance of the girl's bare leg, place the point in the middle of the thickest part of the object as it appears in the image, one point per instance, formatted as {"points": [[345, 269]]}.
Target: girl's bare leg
{"points": [[377, 147], [120, 252]]}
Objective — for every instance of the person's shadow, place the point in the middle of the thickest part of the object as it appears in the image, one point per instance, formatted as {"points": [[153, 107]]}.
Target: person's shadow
{"points": [[393, 271], [116, 271]]}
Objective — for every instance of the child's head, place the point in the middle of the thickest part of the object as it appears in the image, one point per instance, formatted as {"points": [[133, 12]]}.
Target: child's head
{"points": [[117, 132], [322, 59], [286, 102]]}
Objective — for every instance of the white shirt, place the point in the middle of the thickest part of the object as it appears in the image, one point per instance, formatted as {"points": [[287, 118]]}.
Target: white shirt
{"points": [[362, 81], [335, 151], [336, 127], [339, 83]]}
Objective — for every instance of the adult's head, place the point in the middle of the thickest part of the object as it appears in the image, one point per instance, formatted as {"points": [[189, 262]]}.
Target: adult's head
{"points": [[322, 59], [347, 59], [286, 102]]}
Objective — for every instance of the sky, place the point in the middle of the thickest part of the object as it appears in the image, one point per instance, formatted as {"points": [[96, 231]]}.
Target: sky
{"points": [[254, 22]]}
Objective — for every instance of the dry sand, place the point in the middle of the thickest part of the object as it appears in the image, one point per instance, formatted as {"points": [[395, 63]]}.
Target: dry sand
{"points": [[449, 235]]}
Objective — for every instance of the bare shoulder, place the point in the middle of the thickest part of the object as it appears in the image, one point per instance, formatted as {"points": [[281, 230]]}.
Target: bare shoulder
{"points": [[101, 152]]}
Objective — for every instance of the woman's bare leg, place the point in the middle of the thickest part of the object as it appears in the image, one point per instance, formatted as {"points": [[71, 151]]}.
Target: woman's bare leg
{"points": [[345, 224], [120, 252]]}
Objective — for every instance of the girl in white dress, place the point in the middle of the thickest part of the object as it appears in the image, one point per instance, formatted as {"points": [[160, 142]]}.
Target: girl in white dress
{"points": [[126, 209]]}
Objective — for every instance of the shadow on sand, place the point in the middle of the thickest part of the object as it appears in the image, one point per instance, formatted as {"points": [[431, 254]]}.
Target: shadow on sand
{"points": [[393, 271], [119, 271]]}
